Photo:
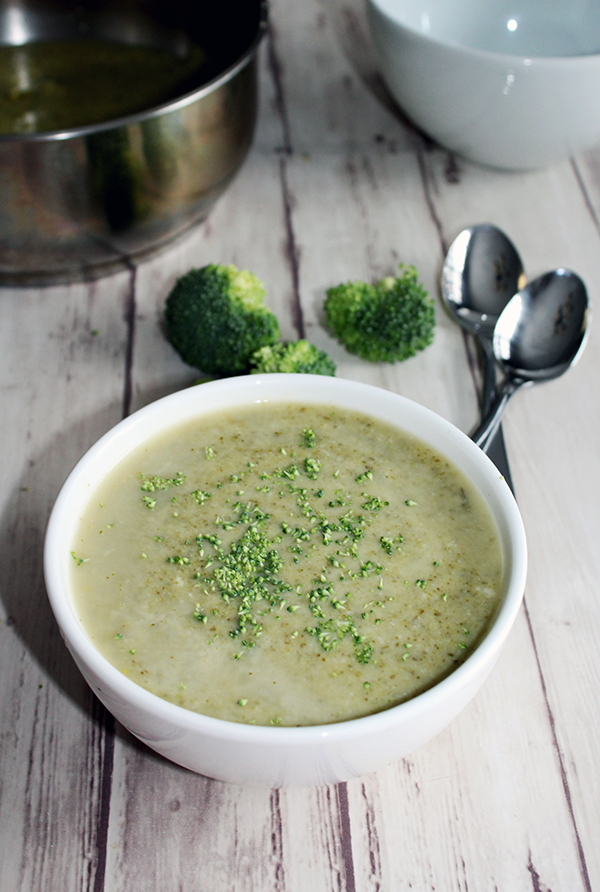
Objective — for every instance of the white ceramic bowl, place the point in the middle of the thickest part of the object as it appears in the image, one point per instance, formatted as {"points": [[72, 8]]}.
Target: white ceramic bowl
{"points": [[242, 753], [513, 84]]}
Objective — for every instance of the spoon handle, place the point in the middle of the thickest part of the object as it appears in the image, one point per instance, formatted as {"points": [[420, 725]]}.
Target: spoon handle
{"points": [[488, 427], [488, 390], [494, 446]]}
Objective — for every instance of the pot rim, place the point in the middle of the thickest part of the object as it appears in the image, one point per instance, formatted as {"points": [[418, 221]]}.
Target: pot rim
{"points": [[156, 110]]}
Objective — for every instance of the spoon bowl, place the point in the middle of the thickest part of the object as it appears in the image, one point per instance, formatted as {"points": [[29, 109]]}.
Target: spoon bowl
{"points": [[538, 336], [481, 272], [542, 330]]}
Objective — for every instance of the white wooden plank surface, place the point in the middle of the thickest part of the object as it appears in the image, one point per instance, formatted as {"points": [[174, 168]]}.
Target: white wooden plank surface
{"points": [[336, 186], [61, 388]]}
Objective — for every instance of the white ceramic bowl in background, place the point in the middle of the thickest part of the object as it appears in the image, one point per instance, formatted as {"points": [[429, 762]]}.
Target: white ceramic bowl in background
{"points": [[513, 84], [275, 757]]}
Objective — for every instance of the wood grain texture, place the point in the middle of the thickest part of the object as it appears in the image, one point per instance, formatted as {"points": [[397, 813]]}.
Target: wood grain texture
{"points": [[337, 185], [62, 387]]}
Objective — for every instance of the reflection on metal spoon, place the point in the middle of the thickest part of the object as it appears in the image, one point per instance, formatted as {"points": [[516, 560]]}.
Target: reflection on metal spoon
{"points": [[481, 272], [538, 336]]}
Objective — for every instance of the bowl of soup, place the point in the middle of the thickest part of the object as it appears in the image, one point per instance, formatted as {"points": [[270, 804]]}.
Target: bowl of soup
{"points": [[273, 585], [120, 126]]}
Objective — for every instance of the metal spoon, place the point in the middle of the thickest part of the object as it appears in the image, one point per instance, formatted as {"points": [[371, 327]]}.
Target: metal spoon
{"points": [[539, 335], [481, 272]]}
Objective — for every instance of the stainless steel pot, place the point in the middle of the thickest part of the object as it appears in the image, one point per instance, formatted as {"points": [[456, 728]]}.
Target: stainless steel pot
{"points": [[80, 203]]}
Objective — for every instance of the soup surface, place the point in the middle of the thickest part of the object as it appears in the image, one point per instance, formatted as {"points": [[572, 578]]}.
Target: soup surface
{"points": [[58, 85], [286, 565]]}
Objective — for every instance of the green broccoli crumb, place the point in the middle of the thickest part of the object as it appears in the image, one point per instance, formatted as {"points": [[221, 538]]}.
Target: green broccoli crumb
{"points": [[200, 496], [386, 322], [308, 438], [152, 483], [312, 468]]}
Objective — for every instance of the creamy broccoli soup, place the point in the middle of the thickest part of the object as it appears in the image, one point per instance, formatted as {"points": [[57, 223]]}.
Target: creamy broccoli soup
{"points": [[286, 565]]}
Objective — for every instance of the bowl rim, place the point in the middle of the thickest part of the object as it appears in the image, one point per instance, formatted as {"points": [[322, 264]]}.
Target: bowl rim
{"points": [[155, 111], [530, 60], [244, 391]]}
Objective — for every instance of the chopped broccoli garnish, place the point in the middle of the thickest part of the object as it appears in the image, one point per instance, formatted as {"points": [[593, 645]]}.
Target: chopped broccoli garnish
{"points": [[216, 319], [308, 438], [151, 483], [385, 322], [295, 356]]}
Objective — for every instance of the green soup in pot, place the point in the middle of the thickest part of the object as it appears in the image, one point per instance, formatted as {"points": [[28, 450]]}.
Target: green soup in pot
{"points": [[59, 85]]}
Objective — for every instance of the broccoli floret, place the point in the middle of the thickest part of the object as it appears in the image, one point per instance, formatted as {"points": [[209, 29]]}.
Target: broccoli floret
{"points": [[385, 322], [296, 356], [216, 319]]}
